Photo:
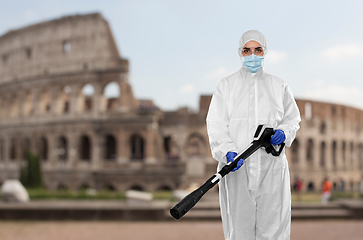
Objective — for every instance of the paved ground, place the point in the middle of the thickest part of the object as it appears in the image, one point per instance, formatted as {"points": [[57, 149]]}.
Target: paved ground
{"points": [[301, 230]]}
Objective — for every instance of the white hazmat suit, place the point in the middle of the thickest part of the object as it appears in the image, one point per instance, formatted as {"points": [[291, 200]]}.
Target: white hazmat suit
{"points": [[255, 201]]}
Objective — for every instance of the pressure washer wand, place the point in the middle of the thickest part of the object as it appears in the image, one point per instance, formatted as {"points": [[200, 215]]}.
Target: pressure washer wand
{"points": [[261, 139]]}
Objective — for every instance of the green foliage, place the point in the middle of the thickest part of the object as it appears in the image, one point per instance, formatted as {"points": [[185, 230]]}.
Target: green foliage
{"points": [[30, 173]]}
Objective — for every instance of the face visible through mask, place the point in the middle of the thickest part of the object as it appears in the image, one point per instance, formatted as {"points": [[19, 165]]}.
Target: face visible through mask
{"points": [[252, 56]]}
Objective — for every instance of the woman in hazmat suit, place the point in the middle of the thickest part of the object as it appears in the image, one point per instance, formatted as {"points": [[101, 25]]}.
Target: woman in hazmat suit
{"points": [[255, 201]]}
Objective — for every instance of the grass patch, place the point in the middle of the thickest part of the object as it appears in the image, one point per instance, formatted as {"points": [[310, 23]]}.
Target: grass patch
{"points": [[163, 195], [42, 194], [73, 195], [306, 197]]}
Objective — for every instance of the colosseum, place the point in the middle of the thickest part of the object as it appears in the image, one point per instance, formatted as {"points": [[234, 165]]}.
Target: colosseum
{"points": [[53, 79]]}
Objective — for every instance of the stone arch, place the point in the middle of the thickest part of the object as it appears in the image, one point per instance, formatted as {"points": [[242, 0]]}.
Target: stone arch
{"points": [[110, 187], [171, 148], [4, 107], [43, 148], [112, 93], [295, 151], [360, 156], [67, 46], [323, 128], [351, 155], [44, 105], [84, 186], [310, 187], [87, 95], [85, 148], [195, 145], [310, 150], [14, 106], [12, 149], [2, 149], [136, 187], [343, 153], [164, 188], [27, 109], [322, 154], [62, 186], [334, 153], [63, 100], [137, 145], [25, 147], [110, 147], [62, 148]]}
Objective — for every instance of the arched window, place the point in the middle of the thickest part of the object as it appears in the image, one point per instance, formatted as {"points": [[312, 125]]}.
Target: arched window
{"points": [[4, 108], [62, 187], [14, 107], [85, 148], [360, 153], [311, 187], [343, 154], [310, 150], [195, 145], [12, 149], [352, 155], [84, 187], [2, 153], [66, 46], [322, 128], [295, 151], [43, 148], [62, 148], [110, 187], [27, 104], [88, 91], [170, 147], [137, 188], [44, 102], [25, 147], [164, 188], [112, 93], [110, 147], [334, 153], [66, 99], [322, 154], [137, 147]]}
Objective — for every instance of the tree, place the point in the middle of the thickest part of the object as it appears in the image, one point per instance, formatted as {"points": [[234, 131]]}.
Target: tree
{"points": [[31, 174]]}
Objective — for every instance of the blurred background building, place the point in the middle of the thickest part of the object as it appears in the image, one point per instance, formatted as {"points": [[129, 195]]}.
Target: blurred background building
{"points": [[53, 79]]}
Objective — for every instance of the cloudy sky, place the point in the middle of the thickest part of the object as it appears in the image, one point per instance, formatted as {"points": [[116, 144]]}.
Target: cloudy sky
{"points": [[179, 50]]}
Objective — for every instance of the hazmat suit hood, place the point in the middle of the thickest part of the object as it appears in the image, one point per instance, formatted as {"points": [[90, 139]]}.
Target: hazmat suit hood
{"points": [[252, 35]]}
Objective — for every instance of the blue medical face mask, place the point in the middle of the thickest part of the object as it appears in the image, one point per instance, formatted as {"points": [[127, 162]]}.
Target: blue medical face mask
{"points": [[252, 63]]}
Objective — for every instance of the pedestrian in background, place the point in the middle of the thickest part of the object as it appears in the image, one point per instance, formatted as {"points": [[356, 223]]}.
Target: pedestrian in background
{"points": [[326, 193]]}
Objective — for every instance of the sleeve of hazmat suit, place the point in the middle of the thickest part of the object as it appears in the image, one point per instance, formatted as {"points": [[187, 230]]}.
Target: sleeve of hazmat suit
{"points": [[290, 122], [217, 123]]}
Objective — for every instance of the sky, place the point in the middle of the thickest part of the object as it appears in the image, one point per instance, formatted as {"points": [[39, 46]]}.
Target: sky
{"points": [[179, 50]]}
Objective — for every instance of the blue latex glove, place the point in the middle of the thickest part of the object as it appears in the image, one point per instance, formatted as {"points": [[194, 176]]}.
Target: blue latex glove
{"points": [[278, 137], [230, 158]]}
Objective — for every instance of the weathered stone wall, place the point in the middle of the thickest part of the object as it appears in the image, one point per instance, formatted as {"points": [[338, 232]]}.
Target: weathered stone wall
{"points": [[66, 45]]}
